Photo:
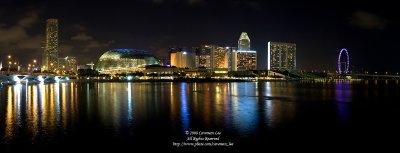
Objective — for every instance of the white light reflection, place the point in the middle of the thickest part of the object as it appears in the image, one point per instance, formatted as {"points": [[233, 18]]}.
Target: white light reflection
{"points": [[58, 105], [17, 98], [130, 117]]}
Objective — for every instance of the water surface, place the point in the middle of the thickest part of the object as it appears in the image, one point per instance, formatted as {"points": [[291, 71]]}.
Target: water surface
{"points": [[153, 115]]}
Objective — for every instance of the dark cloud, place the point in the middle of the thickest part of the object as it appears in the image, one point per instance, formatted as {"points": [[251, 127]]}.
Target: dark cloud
{"points": [[82, 37], [369, 21], [188, 2], [29, 19], [12, 35], [32, 43], [79, 27], [15, 36], [254, 5], [195, 2], [83, 46]]}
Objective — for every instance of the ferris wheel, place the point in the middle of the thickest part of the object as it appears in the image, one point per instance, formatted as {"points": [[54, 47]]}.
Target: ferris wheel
{"points": [[345, 63]]}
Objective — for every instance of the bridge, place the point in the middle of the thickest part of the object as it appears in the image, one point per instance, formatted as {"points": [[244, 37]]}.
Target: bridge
{"points": [[25, 77]]}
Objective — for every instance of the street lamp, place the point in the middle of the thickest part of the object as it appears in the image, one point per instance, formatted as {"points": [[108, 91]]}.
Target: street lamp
{"points": [[9, 66], [34, 63]]}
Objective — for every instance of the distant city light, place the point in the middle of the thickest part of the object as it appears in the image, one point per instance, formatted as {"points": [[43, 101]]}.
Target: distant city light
{"points": [[246, 51]]}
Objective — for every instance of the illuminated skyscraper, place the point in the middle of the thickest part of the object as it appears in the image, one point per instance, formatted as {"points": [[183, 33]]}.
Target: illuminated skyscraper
{"points": [[50, 56], [232, 58], [246, 60], [182, 58], [220, 58], [243, 59], [67, 64], [204, 56], [244, 42], [281, 56]]}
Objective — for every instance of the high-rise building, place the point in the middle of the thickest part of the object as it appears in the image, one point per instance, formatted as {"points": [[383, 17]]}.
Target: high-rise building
{"points": [[243, 58], [71, 64], [67, 64], [244, 42], [232, 58], [182, 58], [204, 56], [62, 64], [220, 58], [246, 60], [281, 56], [50, 61]]}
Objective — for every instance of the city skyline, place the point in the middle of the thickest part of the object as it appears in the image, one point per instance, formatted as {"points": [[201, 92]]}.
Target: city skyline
{"points": [[320, 30]]}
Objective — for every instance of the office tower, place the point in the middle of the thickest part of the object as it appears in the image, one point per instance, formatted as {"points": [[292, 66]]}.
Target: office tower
{"points": [[243, 58], [220, 58], [281, 56], [50, 61], [244, 42], [232, 58], [182, 58], [246, 60], [204, 56], [71, 64]]}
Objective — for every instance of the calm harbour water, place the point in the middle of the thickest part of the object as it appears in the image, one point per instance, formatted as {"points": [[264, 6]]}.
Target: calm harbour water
{"points": [[95, 116]]}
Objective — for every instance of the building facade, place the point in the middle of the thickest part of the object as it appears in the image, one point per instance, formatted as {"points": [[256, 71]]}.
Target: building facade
{"points": [[242, 58], [220, 58], [281, 56], [51, 51], [204, 56], [67, 64], [246, 60], [244, 42], [182, 58]]}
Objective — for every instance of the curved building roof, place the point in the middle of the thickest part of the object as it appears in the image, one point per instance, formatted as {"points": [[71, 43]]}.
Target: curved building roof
{"points": [[125, 60]]}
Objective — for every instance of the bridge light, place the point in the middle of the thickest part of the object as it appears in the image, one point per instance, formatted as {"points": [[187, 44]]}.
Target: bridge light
{"points": [[40, 78], [16, 79], [56, 79]]}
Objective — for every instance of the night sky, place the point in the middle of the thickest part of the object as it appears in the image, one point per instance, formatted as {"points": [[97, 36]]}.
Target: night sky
{"points": [[369, 30]]}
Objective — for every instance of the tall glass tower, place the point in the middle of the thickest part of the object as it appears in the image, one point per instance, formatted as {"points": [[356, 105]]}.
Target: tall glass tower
{"points": [[244, 42], [50, 56], [281, 56], [243, 58]]}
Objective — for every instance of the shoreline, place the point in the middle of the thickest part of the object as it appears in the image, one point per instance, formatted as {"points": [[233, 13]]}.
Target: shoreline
{"points": [[192, 80]]}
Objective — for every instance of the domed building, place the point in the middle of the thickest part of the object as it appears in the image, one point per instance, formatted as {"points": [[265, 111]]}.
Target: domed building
{"points": [[125, 61]]}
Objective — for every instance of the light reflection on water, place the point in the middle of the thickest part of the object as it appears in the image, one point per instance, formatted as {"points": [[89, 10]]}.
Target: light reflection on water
{"points": [[42, 113]]}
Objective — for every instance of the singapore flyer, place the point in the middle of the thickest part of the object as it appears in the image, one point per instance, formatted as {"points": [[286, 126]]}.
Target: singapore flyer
{"points": [[346, 62]]}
